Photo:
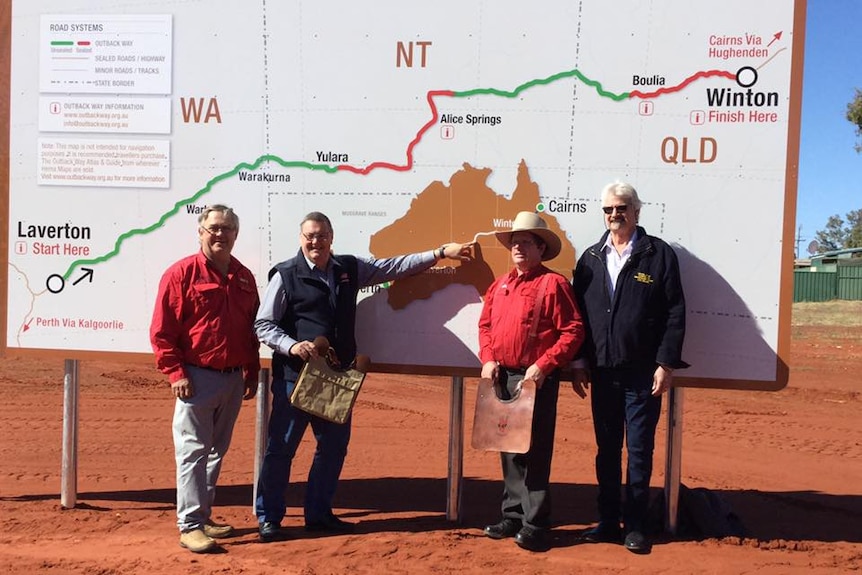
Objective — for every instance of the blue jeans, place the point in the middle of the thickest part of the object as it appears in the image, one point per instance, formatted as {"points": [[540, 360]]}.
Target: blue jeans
{"points": [[623, 406], [287, 425]]}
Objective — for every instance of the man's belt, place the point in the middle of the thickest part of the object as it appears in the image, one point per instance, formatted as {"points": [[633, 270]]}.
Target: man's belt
{"points": [[218, 370], [514, 370]]}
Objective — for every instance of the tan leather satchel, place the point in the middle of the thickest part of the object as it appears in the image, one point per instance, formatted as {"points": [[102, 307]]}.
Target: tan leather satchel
{"points": [[507, 425], [503, 425], [326, 391]]}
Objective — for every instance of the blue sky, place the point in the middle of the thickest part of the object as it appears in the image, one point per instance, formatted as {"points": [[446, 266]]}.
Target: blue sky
{"points": [[830, 169]]}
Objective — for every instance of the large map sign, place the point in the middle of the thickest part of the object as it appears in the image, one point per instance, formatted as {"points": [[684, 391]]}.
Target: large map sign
{"points": [[410, 125]]}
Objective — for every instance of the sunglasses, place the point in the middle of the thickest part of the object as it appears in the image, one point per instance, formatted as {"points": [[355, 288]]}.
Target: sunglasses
{"points": [[610, 209]]}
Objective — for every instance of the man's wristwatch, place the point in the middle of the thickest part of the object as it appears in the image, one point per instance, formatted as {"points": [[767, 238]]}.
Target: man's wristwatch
{"points": [[440, 252]]}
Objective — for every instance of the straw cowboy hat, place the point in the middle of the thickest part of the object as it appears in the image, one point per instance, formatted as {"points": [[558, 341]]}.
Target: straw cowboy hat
{"points": [[531, 222]]}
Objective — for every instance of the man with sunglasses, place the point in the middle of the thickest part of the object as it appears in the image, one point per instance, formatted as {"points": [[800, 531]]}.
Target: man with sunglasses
{"points": [[314, 294], [629, 291], [203, 337]]}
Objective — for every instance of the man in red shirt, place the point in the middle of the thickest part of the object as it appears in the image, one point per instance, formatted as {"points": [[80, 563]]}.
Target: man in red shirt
{"points": [[513, 346], [203, 337]]}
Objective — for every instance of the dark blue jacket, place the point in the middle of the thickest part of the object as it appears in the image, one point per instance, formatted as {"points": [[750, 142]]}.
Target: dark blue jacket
{"points": [[644, 325], [314, 310]]}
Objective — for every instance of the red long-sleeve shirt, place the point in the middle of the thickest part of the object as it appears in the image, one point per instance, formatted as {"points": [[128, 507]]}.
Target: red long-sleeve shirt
{"points": [[507, 317], [205, 319]]}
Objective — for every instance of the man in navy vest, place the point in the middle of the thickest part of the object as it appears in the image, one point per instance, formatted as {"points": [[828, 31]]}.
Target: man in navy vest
{"points": [[311, 295]]}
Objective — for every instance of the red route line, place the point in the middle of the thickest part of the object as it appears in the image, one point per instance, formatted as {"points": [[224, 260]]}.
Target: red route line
{"points": [[686, 82], [434, 115], [409, 165]]}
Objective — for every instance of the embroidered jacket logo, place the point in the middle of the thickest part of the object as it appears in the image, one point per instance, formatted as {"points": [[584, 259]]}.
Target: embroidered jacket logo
{"points": [[643, 278]]}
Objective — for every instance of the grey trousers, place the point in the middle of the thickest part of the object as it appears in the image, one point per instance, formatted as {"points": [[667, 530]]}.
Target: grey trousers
{"points": [[202, 429]]}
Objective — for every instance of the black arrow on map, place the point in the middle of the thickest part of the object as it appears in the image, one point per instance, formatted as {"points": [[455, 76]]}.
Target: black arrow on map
{"points": [[88, 273]]}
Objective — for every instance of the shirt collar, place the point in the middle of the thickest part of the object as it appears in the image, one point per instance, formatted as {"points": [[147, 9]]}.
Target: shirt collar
{"points": [[609, 244], [538, 270], [204, 261], [312, 267]]}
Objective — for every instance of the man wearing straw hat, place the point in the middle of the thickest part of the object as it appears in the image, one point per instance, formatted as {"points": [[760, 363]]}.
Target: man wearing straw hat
{"points": [[530, 327]]}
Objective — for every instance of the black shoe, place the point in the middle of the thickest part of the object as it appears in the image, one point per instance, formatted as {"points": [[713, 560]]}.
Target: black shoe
{"points": [[269, 531], [636, 542], [330, 524], [603, 533], [532, 539], [508, 527]]}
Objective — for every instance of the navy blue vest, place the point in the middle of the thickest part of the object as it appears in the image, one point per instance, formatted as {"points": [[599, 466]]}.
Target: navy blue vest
{"points": [[313, 309]]}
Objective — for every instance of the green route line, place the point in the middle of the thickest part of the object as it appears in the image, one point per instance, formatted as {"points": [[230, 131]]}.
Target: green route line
{"points": [[329, 169], [541, 82], [141, 231]]}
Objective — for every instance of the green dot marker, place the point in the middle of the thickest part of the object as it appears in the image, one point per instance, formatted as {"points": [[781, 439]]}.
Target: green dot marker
{"points": [[540, 207]]}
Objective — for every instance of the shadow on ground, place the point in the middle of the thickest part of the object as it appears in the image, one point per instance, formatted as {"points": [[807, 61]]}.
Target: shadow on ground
{"points": [[795, 515]]}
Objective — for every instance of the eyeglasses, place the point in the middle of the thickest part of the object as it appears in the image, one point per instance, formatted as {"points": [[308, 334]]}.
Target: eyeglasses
{"points": [[621, 209], [216, 230], [321, 237]]}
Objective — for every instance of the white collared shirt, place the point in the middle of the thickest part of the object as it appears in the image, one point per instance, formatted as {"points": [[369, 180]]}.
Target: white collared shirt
{"points": [[616, 260], [324, 275]]}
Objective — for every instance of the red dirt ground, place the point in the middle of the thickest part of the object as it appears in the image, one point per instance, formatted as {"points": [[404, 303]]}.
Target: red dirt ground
{"points": [[789, 463]]}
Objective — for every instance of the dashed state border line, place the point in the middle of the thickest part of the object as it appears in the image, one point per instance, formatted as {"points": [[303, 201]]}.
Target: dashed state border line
{"points": [[431, 95]]}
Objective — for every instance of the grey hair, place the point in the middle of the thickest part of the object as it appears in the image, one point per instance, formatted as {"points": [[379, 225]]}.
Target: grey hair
{"points": [[318, 217], [623, 191], [228, 213]]}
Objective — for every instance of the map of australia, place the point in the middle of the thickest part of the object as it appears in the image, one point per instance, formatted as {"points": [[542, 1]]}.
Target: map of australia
{"points": [[464, 210]]}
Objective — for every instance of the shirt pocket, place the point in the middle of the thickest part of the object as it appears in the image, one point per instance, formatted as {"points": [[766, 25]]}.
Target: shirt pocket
{"points": [[244, 295], [527, 296], [208, 296]]}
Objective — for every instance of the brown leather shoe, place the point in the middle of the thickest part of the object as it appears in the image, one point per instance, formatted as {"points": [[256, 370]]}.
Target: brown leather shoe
{"points": [[217, 530], [197, 541]]}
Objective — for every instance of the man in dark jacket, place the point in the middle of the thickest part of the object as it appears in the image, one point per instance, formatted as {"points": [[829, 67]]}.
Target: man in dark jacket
{"points": [[314, 294], [630, 295]]}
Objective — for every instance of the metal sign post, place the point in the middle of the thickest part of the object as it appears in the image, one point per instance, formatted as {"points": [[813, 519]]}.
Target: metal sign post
{"points": [[69, 476], [260, 427], [456, 449], [673, 459]]}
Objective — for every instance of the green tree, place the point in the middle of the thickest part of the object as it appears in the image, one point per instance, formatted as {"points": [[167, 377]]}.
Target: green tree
{"points": [[832, 237], [839, 235], [854, 115], [854, 222]]}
